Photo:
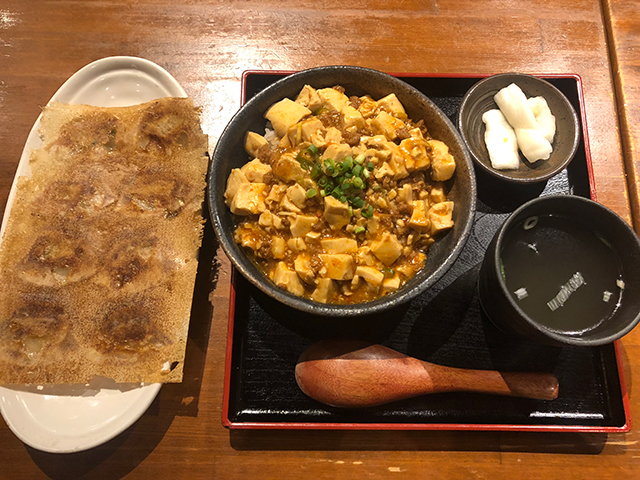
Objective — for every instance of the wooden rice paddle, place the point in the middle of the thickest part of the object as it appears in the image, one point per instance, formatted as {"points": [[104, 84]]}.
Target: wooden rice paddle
{"points": [[345, 373]]}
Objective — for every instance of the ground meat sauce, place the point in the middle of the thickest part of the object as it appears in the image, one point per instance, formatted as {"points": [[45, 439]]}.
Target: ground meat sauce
{"points": [[342, 196]]}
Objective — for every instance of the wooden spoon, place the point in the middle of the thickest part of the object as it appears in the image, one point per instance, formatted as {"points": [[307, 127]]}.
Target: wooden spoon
{"points": [[346, 373]]}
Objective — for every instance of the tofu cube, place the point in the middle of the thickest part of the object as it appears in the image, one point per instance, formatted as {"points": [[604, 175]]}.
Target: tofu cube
{"points": [[288, 205], [350, 117], [266, 219], [437, 195], [371, 275], [336, 151], [387, 125], [309, 98], [312, 237], [405, 194], [302, 265], [391, 284], [236, 178], [309, 128], [255, 170], [332, 99], [365, 257], [339, 245], [419, 220], [298, 195], [302, 224], [443, 164], [368, 106], [249, 199], [417, 151], [333, 135], [287, 279], [255, 144], [288, 168], [276, 193], [387, 249], [297, 244], [391, 104], [339, 266], [336, 213], [440, 216], [385, 170], [285, 113], [278, 247], [325, 290]]}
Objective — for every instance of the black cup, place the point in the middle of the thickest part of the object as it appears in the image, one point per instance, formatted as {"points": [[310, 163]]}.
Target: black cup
{"points": [[502, 306]]}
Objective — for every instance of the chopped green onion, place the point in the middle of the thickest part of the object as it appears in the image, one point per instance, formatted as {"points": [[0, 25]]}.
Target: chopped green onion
{"points": [[370, 166], [348, 162], [323, 181], [380, 189], [343, 199], [316, 171], [313, 149], [350, 211], [323, 192], [357, 170], [305, 162], [359, 230], [337, 193], [368, 212], [359, 159], [365, 173], [358, 183], [329, 170], [357, 202], [312, 192]]}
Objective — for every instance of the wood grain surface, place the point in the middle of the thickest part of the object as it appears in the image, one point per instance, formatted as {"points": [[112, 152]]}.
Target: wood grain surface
{"points": [[207, 46], [622, 21]]}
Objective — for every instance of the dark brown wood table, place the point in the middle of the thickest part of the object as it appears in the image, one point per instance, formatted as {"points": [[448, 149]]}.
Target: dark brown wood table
{"points": [[207, 46]]}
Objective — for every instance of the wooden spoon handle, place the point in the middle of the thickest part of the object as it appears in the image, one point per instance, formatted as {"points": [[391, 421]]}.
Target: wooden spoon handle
{"points": [[540, 386]]}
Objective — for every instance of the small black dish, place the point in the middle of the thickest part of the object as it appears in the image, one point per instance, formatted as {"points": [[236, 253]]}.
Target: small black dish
{"points": [[580, 251], [479, 99]]}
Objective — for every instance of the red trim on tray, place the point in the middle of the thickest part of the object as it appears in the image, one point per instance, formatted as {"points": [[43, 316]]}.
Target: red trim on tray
{"points": [[226, 422], [623, 387], [229, 353], [423, 427]]}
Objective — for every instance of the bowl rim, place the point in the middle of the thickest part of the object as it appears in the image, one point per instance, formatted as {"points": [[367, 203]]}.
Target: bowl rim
{"points": [[546, 332], [464, 105], [255, 277]]}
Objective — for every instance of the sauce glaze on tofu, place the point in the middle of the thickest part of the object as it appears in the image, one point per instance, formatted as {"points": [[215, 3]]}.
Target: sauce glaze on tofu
{"points": [[342, 196]]}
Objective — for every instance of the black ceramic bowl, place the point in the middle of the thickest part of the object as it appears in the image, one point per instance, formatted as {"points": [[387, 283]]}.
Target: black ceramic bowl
{"points": [[592, 247], [479, 99], [229, 153]]}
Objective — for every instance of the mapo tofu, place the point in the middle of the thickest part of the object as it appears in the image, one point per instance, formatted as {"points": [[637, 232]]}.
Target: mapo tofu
{"points": [[342, 196]]}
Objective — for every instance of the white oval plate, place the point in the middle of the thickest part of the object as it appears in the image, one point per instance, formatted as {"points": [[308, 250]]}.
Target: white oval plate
{"points": [[72, 418]]}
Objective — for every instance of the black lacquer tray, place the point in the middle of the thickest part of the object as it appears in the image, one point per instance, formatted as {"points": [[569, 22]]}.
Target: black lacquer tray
{"points": [[445, 325]]}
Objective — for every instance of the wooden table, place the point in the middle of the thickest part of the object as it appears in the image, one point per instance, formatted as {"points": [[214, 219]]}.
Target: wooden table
{"points": [[207, 46]]}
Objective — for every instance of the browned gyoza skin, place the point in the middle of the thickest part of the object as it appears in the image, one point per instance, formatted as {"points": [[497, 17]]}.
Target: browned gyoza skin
{"points": [[342, 197], [98, 260]]}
